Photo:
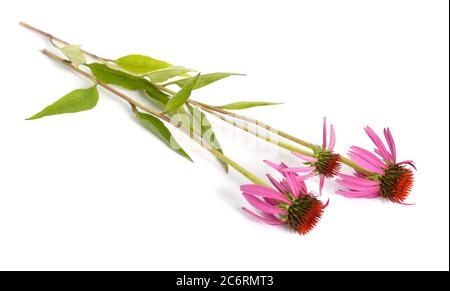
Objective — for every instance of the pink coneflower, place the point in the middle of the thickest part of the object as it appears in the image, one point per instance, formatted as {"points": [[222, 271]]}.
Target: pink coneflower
{"points": [[325, 162], [390, 180], [289, 203]]}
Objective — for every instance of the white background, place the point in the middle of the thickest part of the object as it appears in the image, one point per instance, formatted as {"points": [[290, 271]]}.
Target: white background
{"points": [[95, 191]]}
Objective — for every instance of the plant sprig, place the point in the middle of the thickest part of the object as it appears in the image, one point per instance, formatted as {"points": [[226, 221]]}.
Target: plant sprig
{"points": [[153, 77], [153, 123]]}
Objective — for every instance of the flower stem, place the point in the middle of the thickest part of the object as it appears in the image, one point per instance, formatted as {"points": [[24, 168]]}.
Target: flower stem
{"points": [[53, 38], [211, 109], [134, 104], [260, 135], [219, 112], [256, 122], [355, 166]]}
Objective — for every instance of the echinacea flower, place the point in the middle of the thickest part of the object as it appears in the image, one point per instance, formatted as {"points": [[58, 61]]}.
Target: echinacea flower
{"points": [[325, 162], [389, 179], [289, 203]]}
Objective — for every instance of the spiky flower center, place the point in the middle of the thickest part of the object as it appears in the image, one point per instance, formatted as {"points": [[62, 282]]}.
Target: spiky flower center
{"points": [[396, 183], [304, 213], [327, 163]]}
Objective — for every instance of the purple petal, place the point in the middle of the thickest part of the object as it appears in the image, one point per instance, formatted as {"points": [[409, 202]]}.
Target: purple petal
{"points": [[273, 165], [270, 216], [365, 164], [257, 190], [297, 170], [368, 156], [263, 206], [292, 182], [283, 166], [354, 186], [306, 158], [271, 201], [284, 186], [321, 184], [301, 183], [357, 194], [391, 143], [324, 143], [262, 219], [408, 162], [276, 184], [377, 141], [305, 177], [358, 180], [332, 138]]}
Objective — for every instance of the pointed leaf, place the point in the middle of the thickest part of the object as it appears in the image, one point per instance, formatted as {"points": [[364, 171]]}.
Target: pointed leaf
{"points": [[158, 128], [140, 64], [74, 54], [159, 100], [162, 75], [204, 80], [246, 104], [109, 75], [75, 101], [200, 125], [182, 96]]}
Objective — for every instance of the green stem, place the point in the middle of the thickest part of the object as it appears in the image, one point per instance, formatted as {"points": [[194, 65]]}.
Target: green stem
{"points": [[281, 144], [134, 104], [53, 38], [215, 110], [257, 122], [261, 136], [354, 165], [221, 112], [238, 167]]}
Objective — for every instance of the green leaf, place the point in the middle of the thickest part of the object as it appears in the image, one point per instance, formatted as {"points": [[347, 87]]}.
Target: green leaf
{"points": [[246, 104], [75, 101], [159, 100], [158, 128], [204, 80], [109, 75], [74, 54], [162, 75], [200, 125], [182, 96], [140, 64]]}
